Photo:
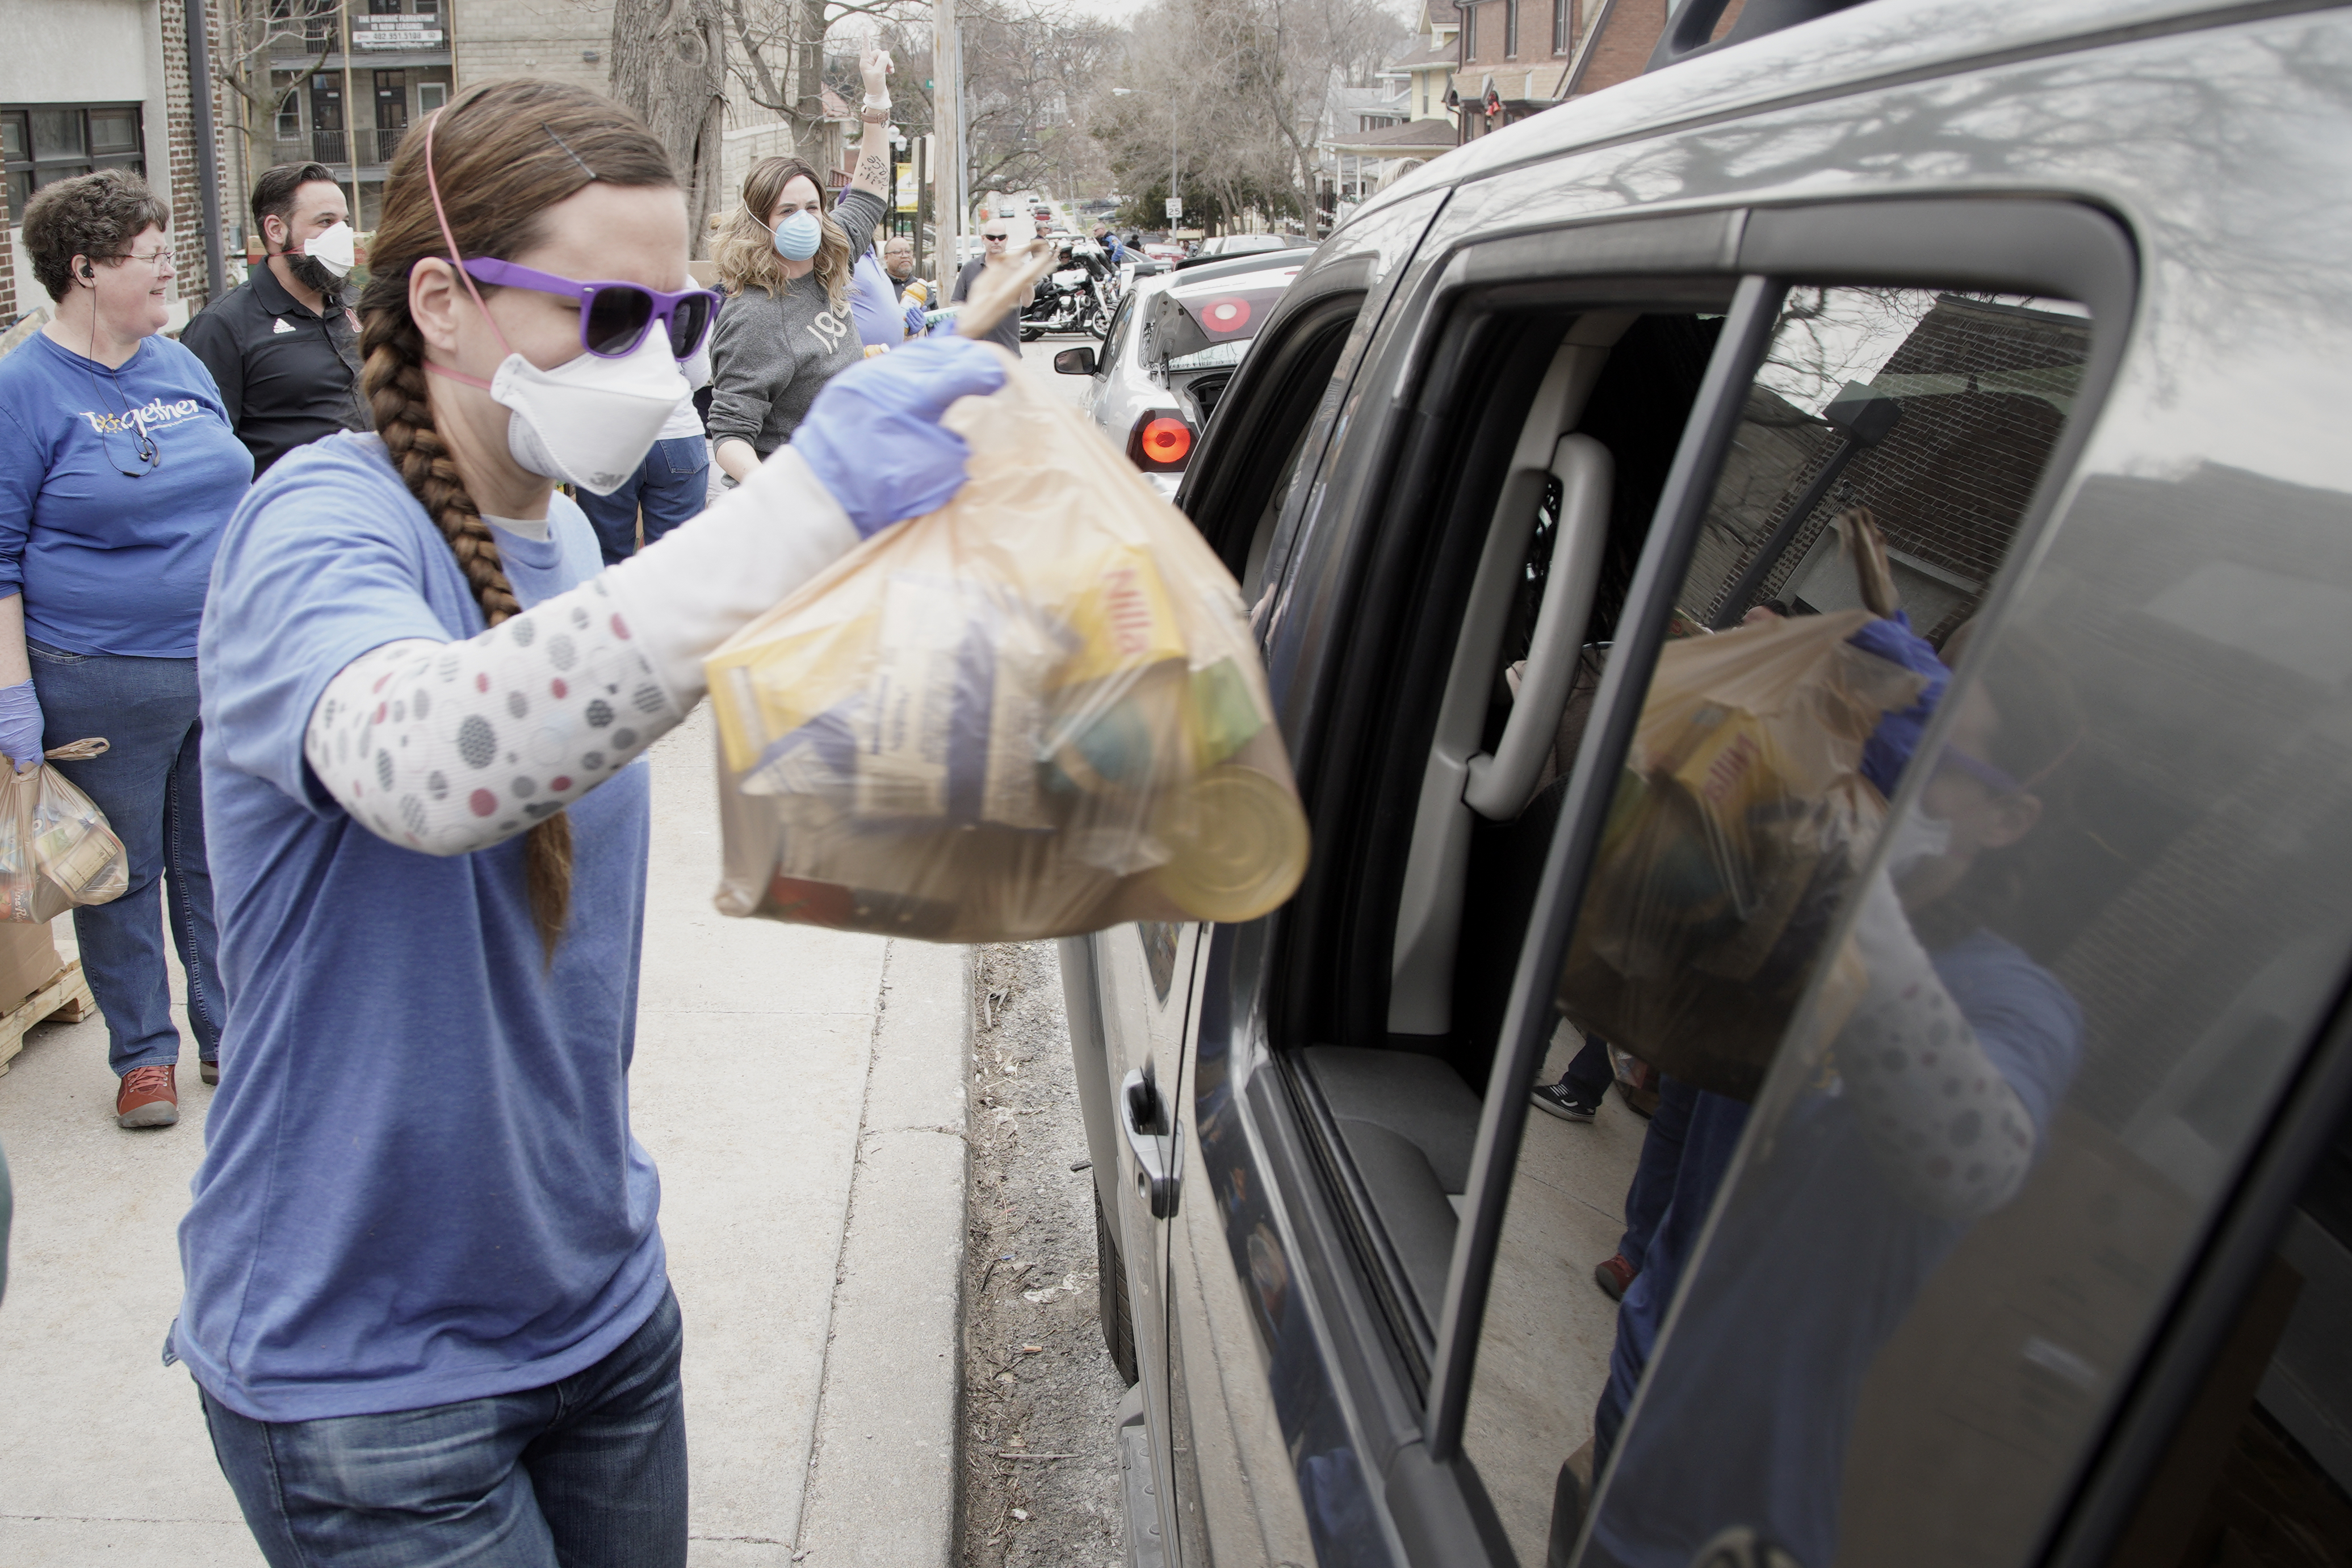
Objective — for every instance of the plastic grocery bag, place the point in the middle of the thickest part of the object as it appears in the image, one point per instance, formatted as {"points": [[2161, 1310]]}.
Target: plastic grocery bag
{"points": [[56, 850], [1033, 712], [1740, 819]]}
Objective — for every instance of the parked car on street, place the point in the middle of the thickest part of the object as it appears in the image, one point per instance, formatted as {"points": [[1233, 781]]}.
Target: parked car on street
{"points": [[2055, 293], [1173, 344], [1226, 247]]}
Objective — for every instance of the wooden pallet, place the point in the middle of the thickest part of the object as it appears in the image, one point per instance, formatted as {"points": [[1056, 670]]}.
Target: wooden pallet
{"points": [[65, 998]]}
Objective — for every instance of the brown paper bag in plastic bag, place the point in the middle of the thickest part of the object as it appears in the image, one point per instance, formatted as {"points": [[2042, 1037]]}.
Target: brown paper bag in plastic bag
{"points": [[56, 848], [1739, 822], [1034, 712]]}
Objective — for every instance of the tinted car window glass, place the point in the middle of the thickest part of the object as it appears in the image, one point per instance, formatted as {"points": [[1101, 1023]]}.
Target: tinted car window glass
{"points": [[1115, 340], [1887, 452], [2259, 1468]]}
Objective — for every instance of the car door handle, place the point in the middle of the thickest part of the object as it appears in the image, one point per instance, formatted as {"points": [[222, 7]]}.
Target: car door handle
{"points": [[1157, 1159], [1500, 784]]}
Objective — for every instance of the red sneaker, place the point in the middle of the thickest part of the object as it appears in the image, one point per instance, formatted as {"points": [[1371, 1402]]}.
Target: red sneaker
{"points": [[1613, 1274], [150, 1097]]}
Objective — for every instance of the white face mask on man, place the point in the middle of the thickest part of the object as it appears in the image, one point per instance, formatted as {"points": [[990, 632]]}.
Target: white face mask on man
{"points": [[334, 249]]}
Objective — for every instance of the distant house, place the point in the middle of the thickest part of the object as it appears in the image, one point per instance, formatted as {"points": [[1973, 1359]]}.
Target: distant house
{"points": [[1518, 58], [1362, 162], [1427, 72]]}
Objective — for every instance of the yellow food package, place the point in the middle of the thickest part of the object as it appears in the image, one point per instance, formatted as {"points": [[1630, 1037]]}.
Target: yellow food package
{"points": [[1036, 711]]}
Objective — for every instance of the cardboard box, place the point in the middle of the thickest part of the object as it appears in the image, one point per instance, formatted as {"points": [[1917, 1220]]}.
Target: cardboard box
{"points": [[28, 959]]}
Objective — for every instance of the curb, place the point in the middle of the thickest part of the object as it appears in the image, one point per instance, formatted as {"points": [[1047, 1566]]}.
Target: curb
{"points": [[882, 1480]]}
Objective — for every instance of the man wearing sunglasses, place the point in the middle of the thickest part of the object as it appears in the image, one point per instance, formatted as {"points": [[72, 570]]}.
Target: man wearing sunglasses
{"points": [[995, 250], [284, 345]]}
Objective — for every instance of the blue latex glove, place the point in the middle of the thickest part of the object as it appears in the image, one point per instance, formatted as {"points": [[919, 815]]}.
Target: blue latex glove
{"points": [[1897, 735], [915, 314], [20, 724], [873, 437]]}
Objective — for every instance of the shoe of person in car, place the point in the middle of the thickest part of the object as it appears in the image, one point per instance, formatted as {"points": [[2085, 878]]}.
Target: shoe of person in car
{"points": [[208, 1069], [150, 1097], [1561, 1101], [1613, 1274]]}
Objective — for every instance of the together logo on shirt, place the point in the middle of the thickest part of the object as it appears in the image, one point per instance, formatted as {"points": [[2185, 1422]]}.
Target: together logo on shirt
{"points": [[149, 415]]}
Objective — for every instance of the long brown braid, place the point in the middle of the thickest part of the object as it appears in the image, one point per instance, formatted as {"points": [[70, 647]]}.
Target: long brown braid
{"points": [[503, 154]]}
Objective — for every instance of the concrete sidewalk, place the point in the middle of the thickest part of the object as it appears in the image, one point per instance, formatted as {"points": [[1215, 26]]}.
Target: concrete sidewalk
{"points": [[803, 1094]]}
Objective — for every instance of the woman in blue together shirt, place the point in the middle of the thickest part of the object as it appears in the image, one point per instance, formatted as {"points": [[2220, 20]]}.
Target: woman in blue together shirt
{"points": [[426, 1302], [118, 471]]}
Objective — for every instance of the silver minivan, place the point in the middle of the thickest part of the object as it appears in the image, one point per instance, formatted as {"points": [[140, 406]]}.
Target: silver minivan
{"points": [[2055, 295]]}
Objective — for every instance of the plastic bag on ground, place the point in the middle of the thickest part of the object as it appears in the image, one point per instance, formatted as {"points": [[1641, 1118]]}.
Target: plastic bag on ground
{"points": [[1036, 711], [1739, 821], [56, 848]]}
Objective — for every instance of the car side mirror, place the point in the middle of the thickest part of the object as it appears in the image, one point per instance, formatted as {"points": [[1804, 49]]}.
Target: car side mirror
{"points": [[1076, 362]]}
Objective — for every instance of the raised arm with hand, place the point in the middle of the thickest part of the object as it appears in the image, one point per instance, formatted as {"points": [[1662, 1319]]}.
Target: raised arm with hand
{"points": [[872, 172], [412, 738], [1951, 1133]]}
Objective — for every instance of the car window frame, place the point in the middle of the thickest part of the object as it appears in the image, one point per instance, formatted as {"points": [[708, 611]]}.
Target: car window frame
{"points": [[2048, 246]]}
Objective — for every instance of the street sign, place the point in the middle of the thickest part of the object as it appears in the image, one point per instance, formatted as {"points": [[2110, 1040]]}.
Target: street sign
{"points": [[1175, 206]]}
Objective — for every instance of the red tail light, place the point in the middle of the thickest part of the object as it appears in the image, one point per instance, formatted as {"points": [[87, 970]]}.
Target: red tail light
{"points": [[1160, 444]]}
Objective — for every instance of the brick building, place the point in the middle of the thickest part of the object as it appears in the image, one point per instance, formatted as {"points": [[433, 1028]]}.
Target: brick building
{"points": [[1518, 58], [344, 83], [1984, 388], [95, 84], [571, 41]]}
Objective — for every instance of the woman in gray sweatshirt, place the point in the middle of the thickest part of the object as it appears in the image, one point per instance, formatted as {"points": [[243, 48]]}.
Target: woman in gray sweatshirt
{"points": [[785, 329]]}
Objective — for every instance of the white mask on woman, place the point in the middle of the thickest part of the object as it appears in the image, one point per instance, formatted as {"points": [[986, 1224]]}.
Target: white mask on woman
{"points": [[590, 421]]}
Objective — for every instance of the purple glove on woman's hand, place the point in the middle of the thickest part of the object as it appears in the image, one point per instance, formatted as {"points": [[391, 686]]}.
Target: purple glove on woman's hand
{"points": [[20, 725], [873, 436]]}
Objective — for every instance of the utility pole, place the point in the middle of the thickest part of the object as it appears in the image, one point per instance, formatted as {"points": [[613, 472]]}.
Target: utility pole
{"points": [[200, 105], [947, 142], [350, 117]]}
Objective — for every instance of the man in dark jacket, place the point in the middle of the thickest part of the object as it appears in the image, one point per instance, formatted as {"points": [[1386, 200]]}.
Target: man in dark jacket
{"points": [[283, 345]]}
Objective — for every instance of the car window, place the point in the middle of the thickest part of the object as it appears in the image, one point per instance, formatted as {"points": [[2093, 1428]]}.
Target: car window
{"points": [[1396, 1088], [1115, 340]]}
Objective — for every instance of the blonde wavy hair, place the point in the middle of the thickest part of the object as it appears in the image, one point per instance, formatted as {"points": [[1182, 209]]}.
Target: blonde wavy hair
{"points": [[745, 250]]}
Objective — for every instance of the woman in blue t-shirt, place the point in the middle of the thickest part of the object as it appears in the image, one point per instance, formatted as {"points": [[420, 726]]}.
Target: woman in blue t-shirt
{"points": [[118, 471], [426, 1301]]}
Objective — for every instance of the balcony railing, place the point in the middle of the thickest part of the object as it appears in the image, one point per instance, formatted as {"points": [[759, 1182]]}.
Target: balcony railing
{"points": [[373, 146]]}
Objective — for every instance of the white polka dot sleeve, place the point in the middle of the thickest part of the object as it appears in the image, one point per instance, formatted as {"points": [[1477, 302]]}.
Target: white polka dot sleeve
{"points": [[1946, 1126], [448, 748]]}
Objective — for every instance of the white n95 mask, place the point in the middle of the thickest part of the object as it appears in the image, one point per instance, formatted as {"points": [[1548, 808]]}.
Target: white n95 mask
{"points": [[590, 421], [332, 248], [1917, 836]]}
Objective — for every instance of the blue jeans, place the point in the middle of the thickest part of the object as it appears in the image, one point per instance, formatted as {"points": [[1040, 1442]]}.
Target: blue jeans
{"points": [[1590, 1075], [150, 788], [586, 1473], [671, 486]]}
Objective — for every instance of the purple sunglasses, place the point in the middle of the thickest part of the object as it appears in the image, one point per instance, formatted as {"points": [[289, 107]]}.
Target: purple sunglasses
{"points": [[614, 317]]}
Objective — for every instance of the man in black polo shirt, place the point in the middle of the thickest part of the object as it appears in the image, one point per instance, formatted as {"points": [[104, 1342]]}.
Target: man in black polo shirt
{"points": [[282, 344]]}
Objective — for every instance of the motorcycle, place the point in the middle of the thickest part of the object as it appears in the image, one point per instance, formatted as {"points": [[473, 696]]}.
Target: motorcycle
{"points": [[1074, 298]]}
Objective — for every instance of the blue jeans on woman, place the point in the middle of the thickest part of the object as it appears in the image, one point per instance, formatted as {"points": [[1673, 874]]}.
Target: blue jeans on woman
{"points": [[589, 1472], [149, 787], [670, 486]]}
